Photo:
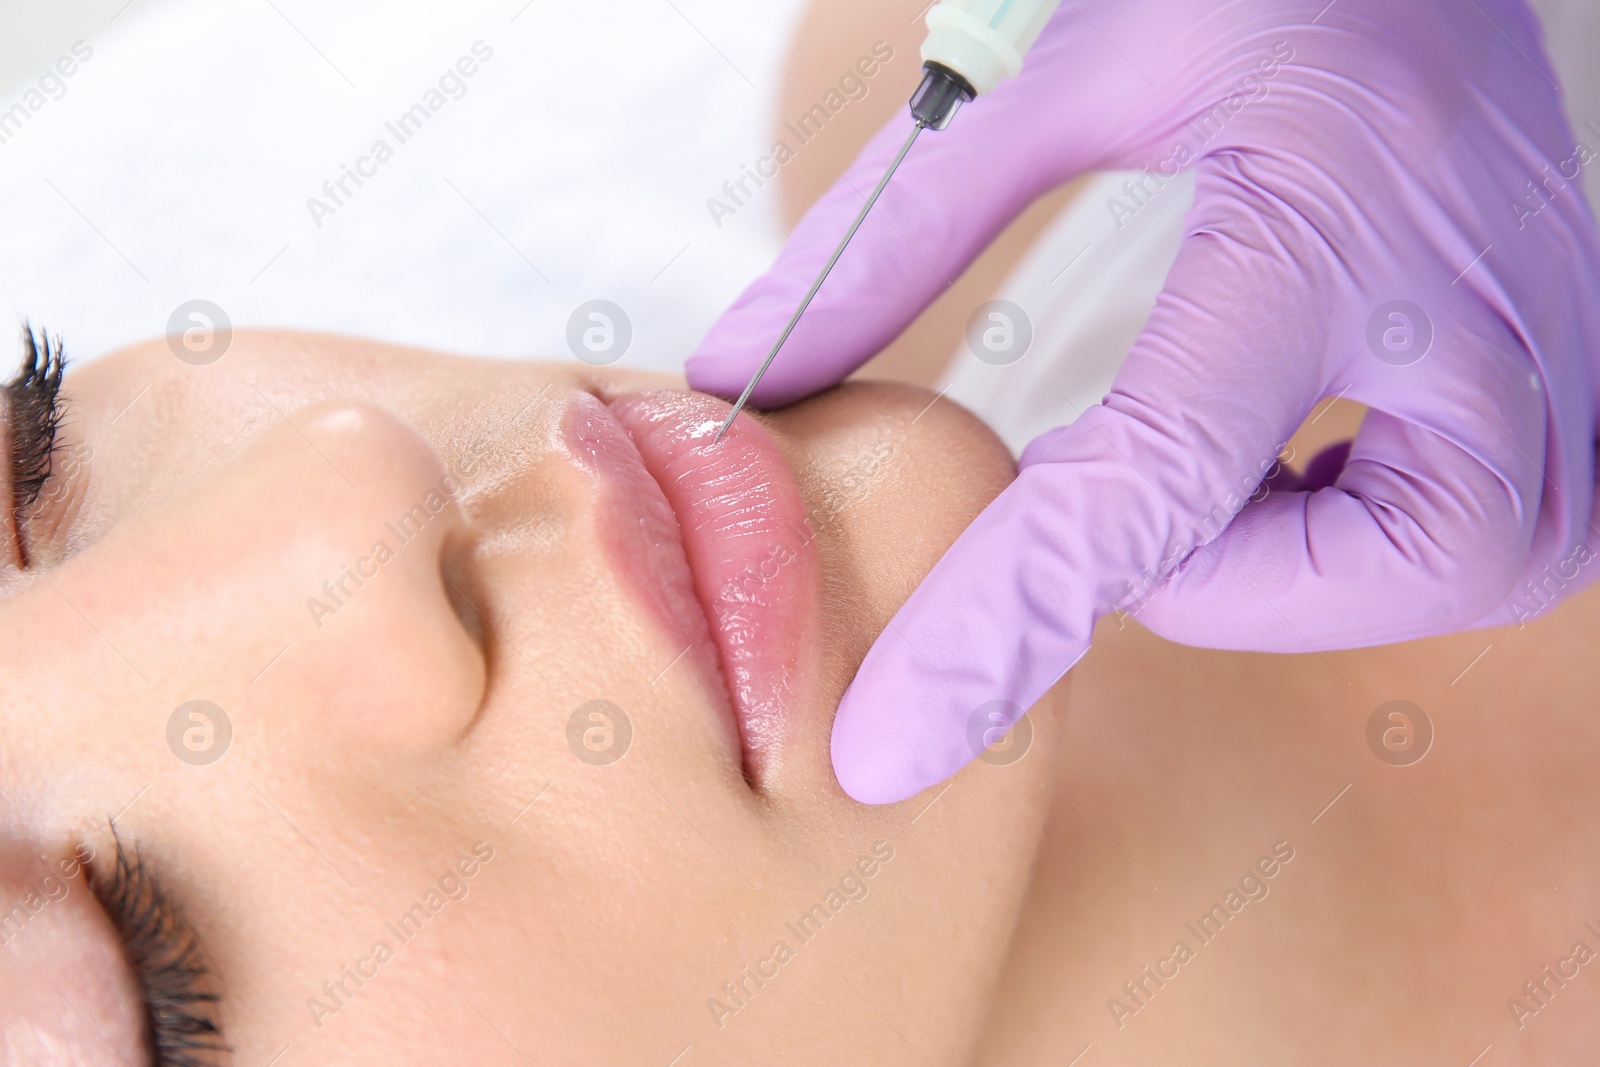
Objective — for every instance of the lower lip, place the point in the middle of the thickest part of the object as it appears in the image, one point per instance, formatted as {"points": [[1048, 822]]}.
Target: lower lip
{"points": [[749, 546]]}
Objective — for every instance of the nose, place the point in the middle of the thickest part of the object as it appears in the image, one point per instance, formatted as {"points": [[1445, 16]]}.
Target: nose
{"points": [[309, 588]]}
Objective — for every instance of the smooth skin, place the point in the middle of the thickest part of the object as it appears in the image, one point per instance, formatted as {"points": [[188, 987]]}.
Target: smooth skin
{"points": [[1417, 905], [425, 724]]}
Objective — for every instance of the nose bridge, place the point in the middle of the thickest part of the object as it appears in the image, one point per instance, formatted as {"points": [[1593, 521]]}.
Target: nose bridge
{"points": [[318, 553]]}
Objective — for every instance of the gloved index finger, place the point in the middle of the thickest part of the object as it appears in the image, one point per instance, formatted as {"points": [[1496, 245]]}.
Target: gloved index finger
{"points": [[954, 192]]}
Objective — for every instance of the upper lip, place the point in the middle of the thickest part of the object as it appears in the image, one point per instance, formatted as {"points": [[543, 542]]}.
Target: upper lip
{"points": [[745, 536]]}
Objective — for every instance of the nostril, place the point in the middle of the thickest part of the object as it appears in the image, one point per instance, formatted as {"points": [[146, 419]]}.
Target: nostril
{"points": [[392, 645], [463, 584]]}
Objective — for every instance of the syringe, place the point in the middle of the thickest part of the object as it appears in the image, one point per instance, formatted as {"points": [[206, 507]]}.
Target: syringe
{"points": [[971, 46]]}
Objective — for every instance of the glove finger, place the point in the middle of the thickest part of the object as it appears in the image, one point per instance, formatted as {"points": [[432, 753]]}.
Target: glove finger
{"points": [[1416, 536], [954, 192], [1226, 368]]}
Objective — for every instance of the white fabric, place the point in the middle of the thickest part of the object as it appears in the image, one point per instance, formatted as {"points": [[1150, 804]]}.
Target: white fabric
{"points": [[180, 159], [592, 139]]}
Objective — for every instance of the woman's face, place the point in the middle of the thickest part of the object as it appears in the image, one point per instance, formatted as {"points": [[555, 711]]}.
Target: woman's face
{"points": [[514, 699]]}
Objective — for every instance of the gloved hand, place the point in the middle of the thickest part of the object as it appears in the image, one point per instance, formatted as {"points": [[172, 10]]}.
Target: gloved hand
{"points": [[1385, 210]]}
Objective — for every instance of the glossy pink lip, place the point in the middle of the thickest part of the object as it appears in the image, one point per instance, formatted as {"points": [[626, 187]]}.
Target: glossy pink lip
{"points": [[737, 517]]}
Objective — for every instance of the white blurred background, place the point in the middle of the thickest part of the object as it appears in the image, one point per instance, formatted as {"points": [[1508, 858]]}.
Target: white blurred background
{"points": [[32, 30], [177, 163]]}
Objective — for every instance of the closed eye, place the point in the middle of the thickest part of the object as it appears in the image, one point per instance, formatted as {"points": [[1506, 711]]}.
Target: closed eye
{"points": [[163, 951]]}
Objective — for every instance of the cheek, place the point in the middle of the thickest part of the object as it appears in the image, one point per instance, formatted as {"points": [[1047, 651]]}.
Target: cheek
{"points": [[70, 945], [246, 592], [386, 663]]}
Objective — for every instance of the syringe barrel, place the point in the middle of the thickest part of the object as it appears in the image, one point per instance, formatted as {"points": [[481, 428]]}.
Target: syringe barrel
{"points": [[984, 40]]}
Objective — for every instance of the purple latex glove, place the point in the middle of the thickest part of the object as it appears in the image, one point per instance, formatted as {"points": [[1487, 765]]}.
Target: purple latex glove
{"points": [[1349, 155]]}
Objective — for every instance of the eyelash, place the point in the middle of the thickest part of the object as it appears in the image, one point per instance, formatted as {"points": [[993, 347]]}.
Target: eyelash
{"points": [[164, 953], [34, 399]]}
